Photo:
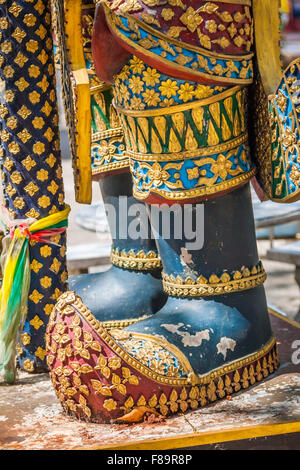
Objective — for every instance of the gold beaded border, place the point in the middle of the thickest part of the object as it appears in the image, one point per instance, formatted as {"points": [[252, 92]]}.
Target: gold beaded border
{"points": [[116, 132], [225, 284], [140, 261], [202, 395]]}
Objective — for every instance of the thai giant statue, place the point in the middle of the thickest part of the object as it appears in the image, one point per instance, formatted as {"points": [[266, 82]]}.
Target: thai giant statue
{"points": [[204, 106]]}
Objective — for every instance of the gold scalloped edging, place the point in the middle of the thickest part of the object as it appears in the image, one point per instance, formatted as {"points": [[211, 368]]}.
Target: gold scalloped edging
{"points": [[69, 301], [197, 192], [119, 324], [178, 108], [140, 261], [200, 152], [246, 278]]}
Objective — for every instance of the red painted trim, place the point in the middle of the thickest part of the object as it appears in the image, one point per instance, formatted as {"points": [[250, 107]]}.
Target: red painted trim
{"points": [[157, 199]]}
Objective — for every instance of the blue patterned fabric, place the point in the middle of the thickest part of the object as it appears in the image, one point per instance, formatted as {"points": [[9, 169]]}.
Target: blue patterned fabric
{"points": [[31, 160]]}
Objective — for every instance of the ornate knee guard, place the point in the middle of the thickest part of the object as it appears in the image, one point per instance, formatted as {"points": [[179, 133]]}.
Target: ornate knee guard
{"points": [[31, 160]]}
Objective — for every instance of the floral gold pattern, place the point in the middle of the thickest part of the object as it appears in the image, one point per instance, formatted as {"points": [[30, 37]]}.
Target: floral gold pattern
{"points": [[115, 383], [30, 151], [225, 283]]}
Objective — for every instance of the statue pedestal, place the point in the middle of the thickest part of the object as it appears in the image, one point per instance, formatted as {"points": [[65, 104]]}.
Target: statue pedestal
{"points": [[265, 416]]}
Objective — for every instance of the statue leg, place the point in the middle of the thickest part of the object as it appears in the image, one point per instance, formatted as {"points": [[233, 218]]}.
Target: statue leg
{"points": [[31, 160]]}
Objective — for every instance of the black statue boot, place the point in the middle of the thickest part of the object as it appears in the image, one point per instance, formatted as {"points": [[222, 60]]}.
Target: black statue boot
{"points": [[132, 288], [211, 339], [136, 265], [184, 114]]}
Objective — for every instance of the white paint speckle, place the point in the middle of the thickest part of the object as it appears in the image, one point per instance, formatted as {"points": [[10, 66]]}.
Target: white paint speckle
{"points": [[225, 344]]}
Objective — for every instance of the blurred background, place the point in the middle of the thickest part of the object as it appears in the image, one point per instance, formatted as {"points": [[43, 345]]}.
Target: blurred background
{"points": [[278, 226]]}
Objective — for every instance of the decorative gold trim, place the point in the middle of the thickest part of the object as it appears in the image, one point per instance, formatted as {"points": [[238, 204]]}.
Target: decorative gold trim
{"points": [[217, 388], [246, 278], [185, 363], [116, 132], [111, 167], [70, 298], [140, 261], [189, 47], [102, 87], [277, 314], [201, 152], [236, 2], [120, 324], [197, 192], [181, 107], [180, 68]]}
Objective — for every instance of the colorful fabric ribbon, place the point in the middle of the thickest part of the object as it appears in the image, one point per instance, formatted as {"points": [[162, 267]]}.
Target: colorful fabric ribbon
{"points": [[16, 278]]}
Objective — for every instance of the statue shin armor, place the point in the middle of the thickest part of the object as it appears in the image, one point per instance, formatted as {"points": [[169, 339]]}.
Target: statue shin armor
{"points": [[31, 159], [182, 100]]}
